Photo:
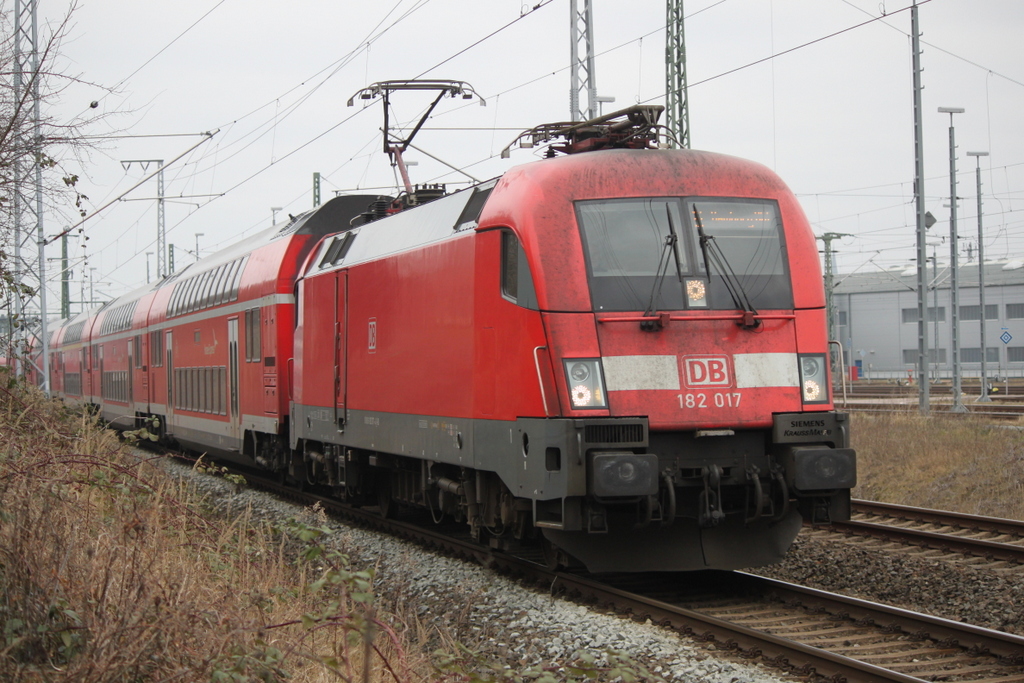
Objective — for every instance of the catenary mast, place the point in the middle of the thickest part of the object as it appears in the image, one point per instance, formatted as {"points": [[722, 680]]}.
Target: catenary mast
{"points": [[29, 264], [677, 111]]}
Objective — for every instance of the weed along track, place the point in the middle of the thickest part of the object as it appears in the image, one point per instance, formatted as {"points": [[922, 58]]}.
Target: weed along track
{"points": [[794, 629]]}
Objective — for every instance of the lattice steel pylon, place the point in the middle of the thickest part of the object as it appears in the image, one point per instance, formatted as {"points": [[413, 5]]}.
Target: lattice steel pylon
{"points": [[162, 267], [581, 69], [677, 110], [29, 264]]}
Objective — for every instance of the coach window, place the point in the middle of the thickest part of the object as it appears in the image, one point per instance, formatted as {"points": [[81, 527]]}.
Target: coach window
{"points": [[236, 280], [204, 292], [516, 280], [197, 287], [222, 285], [252, 335], [156, 349]]}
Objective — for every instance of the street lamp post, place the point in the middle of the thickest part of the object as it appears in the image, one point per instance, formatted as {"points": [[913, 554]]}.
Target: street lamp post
{"points": [[958, 402], [983, 397], [148, 254], [273, 214], [198, 235]]}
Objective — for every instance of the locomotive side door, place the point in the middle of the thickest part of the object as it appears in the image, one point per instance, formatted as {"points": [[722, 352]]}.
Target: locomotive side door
{"points": [[341, 349]]}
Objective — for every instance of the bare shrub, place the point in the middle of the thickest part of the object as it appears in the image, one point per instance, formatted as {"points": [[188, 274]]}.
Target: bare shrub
{"points": [[109, 570]]}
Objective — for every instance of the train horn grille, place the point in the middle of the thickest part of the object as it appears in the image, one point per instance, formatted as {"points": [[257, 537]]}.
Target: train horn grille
{"points": [[619, 434]]}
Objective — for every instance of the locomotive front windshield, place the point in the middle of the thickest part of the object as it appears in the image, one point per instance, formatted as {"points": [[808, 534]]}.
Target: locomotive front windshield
{"points": [[643, 254]]}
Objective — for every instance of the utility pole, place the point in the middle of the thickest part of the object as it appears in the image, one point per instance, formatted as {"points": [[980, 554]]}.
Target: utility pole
{"points": [[935, 307], [161, 237], [677, 111], [581, 68], [958, 399], [830, 311], [316, 189], [170, 259], [983, 396], [29, 174], [923, 398], [65, 280]]}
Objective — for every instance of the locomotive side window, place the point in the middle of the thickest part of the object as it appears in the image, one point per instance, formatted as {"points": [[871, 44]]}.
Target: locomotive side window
{"points": [[516, 280]]}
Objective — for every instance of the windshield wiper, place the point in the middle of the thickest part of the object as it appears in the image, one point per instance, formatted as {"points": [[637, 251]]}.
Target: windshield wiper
{"points": [[671, 242], [713, 253]]}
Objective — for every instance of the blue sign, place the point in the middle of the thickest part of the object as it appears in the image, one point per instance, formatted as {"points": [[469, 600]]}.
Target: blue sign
{"points": [[1005, 337]]}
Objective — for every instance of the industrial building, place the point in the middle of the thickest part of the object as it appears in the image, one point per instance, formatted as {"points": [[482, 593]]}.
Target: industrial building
{"points": [[876, 321]]}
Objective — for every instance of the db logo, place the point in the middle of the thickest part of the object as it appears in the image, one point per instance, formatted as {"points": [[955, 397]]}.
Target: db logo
{"points": [[372, 342], [706, 371]]}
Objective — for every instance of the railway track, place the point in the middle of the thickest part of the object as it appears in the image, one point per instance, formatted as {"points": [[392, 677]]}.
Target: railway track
{"points": [[999, 542], [1006, 404], [992, 411], [801, 631]]}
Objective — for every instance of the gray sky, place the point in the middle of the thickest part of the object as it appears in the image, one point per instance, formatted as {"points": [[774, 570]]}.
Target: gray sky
{"points": [[831, 113]]}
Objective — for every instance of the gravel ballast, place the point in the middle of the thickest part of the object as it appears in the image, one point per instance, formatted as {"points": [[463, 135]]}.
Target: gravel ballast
{"points": [[522, 626], [494, 615], [905, 577]]}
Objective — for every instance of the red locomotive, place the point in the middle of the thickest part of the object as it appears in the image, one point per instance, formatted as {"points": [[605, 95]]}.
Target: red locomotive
{"points": [[620, 351]]}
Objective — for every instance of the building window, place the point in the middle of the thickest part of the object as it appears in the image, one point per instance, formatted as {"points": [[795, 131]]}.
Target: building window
{"points": [[842, 317], [973, 312], [1015, 354], [910, 314], [973, 355], [910, 356], [1014, 311]]}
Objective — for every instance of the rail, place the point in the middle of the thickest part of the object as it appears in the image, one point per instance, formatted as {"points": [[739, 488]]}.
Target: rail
{"points": [[788, 627]]}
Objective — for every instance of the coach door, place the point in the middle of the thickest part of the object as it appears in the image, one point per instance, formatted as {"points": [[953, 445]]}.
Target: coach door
{"points": [[234, 419], [341, 350], [169, 350], [99, 370], [130, 399]]}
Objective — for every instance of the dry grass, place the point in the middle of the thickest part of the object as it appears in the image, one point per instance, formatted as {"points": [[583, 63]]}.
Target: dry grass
{"points": [[111, 571], [959, 464]]}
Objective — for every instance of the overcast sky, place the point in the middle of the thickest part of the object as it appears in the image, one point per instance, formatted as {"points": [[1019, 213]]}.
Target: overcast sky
{"points": [[831, 112]]}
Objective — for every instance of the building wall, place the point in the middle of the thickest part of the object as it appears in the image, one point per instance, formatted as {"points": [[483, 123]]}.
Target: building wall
{"points": [[875, 332]]}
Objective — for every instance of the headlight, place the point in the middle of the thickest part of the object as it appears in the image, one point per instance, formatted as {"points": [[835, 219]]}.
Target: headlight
{"points": [[813, 378], [696, 293], [586, 388], [623, 474]]}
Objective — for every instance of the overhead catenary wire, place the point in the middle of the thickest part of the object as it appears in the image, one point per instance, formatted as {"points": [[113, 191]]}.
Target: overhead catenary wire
{"points": [[462, 51]]}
